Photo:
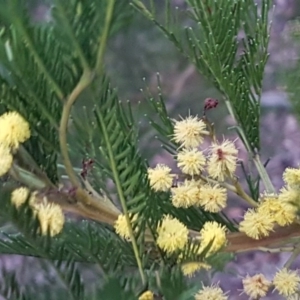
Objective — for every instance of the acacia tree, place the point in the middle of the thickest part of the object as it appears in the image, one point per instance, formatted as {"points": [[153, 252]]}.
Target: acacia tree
{"points": [[146, 227]]}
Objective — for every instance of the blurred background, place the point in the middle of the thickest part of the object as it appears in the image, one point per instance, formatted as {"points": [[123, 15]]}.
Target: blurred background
{"points": [[134, 58]]}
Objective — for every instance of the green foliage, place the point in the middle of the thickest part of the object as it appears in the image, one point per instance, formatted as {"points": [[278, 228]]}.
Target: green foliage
{"points": [[87, 242], [235, 66], [11, 289], [173, 286], [290, 78], [42, 70], [42, 63]]}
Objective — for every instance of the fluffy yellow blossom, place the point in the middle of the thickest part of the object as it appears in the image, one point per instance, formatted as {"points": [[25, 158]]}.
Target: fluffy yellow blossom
{"points": [[51, 218], [189, 132], [213, 198], [190, 268], [172, 234], [256, 286], [289, 195], [222, 160], [211, 293], [160, 178], [286, 282], [6, 159], [148, 295], [214, 233], [121, 226], [19, 196], [294, 297], [256, 225], [185, 194], [291, 177], [14, 130], [283, 213], [191, 161], [35, 201]]}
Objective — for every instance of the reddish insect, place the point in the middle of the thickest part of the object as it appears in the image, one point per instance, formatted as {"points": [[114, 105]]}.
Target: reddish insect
{"points": [[220, 154], [87, 165], [210, 103]]}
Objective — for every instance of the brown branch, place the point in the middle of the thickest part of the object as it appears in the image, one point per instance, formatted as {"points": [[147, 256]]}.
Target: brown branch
{"points": [[239, 242], [95, 210]]}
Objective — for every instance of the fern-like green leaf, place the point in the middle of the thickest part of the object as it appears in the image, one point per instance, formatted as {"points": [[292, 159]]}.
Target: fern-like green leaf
{"points": [[212, 45]]}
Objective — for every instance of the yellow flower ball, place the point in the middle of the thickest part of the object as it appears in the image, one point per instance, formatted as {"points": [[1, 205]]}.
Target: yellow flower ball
{"points": [[211, 293], [214, 233], [172, 234], [6, 160], [19, 196], [121, 226], [51, 218], [256, 224], [291, 177], [186, 194], [283, 213], [160, 178], [189, 132], [286, 282], [14, 130], [148, 295], [190, 268], [256, 286], [213, 198], [191, 161], [222, 161]]}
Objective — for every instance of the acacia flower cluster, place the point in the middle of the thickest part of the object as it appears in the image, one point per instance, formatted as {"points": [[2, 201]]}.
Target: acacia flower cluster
{"points": [[211, 292], [148, 295], [219, 163], [14, 131], [256, 286], [121, 226], [213, 235], [212, 238], [202, 183], [291, 177], [189, 132], [172, 234], [50, 215], [186, 194], [6, 160], [51, 218], [273, 209], [285, 282], [290, 193], [190, 268], [191, 161], [19, 196], [160, 178], [222, 161]]}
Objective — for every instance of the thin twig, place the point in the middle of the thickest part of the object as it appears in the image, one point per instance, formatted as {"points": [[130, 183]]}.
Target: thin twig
{"points": [[240, 192], [29, 161], [82, 84], [293, 257], [263, 175], [104, 37], [236, 188]]}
